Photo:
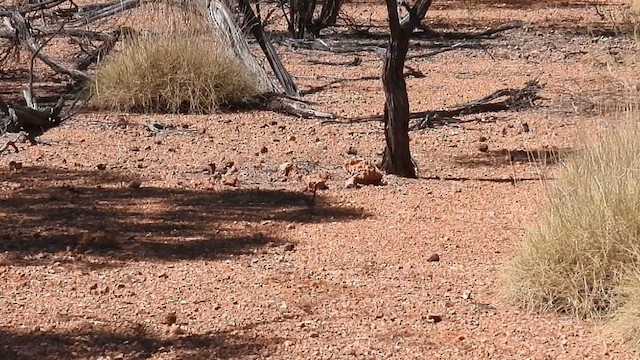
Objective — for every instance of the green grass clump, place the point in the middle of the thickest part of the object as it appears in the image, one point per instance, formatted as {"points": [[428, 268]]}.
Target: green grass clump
{"points": [[171, 73], [587, 239]]}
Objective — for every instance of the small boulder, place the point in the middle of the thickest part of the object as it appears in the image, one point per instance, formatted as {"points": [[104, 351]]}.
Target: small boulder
{"points": [[230, 180], [351, 183], [363, 172], [285, 169], [316, 182], [433, 258], [134, 184]]}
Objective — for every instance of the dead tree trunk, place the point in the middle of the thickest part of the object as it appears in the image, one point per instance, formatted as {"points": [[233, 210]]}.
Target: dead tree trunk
{"points": [[397, 155], [301, 16], [328, 16], [253, 24]]}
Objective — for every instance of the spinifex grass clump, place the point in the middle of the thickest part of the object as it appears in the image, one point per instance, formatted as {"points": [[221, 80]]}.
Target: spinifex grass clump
{"points": [[587, 239], [173, 73]]}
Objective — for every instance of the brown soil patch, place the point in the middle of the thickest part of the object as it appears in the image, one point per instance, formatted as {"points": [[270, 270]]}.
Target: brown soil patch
{"points": [[186, 267]]}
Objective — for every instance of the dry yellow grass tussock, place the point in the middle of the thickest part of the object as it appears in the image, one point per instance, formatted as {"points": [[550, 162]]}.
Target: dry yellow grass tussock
{"points": [[174, 72], [588, 236]]}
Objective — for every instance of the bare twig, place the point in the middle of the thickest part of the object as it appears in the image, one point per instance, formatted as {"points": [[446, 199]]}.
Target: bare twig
{"points": [[28, 94], [19, 24], [12, 143]]}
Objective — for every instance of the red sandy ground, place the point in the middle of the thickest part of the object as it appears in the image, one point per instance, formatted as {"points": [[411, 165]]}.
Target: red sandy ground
{"points": [[91, 269]]}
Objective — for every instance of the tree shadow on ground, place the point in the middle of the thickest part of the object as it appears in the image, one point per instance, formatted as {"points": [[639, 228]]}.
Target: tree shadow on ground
{"points": [[127, 343], [57, 211], [501, 157]]}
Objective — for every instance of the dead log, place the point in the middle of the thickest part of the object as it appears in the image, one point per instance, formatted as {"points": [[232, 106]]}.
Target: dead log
{"points": [[254, 25], [501, 100], [18, 24], [32, 122], [427, 32], [222, 19], [512, 99]]}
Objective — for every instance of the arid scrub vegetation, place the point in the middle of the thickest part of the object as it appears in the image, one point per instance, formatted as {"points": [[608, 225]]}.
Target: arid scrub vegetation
{"points": [[336, 179], [583, 254]]}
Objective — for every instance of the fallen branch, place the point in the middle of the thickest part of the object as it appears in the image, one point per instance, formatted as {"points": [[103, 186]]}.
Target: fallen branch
{"points": [[512, 99], [17, 23], [293, 107], [103, 50], [32, 121], [426, 32], [110, 9], [12, 143]]}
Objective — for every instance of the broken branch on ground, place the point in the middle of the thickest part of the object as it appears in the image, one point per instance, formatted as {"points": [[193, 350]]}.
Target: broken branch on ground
{"points": [[501, 100]]}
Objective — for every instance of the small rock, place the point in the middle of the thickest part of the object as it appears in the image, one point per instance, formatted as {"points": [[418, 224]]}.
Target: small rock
{"points": [[433, 258], [525, 127], [316, 182], [483, 147], [466, 294], [292, 138], [231, 180], [364, 172], [290, 227], [209, 168], [351, 183], [482, 138], [285, 169], [176, 330], [14, 165], [134, 184], [170, 318], [93, 286], [434, 319], [287, 343], [264, 150], [134, 148], [352, 151], [163, 275], [101, 166], [288, 247], [504, 131]]}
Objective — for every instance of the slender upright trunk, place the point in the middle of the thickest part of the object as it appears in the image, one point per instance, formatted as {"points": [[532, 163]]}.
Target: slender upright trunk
{"points": [[397, 156], [328, 16]]}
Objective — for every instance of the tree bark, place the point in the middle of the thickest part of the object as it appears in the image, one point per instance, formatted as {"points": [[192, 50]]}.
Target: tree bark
{"points": [[254, 25], [397, 155], [328, 16], [301, 16]]}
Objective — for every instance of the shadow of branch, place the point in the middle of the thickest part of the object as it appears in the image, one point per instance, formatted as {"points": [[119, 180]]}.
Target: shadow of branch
{"points": [[59, 211]]}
